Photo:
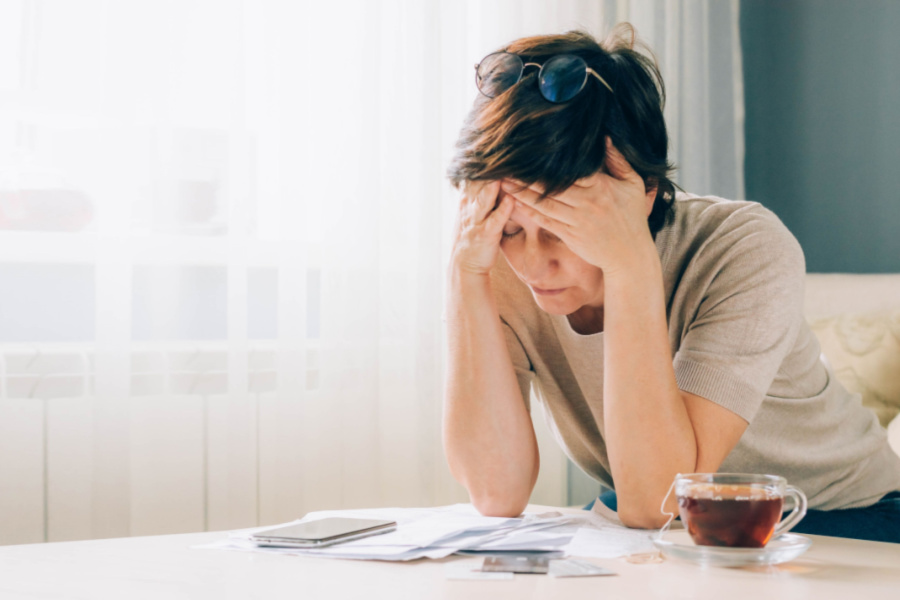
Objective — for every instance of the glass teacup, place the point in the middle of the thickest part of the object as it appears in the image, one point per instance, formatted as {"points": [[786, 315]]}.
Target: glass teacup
{"points": [[736, 509]]}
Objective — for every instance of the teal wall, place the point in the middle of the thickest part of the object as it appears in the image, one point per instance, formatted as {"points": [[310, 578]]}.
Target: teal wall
{"points": [[822, 94]]}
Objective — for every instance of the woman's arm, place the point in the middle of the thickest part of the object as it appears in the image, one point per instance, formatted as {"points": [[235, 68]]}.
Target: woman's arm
{"points": [[653, 431], [730, 353], [488, 436]]}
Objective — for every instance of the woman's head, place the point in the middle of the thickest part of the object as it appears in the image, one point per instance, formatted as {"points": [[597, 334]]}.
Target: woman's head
{"points": [[520, 134]]}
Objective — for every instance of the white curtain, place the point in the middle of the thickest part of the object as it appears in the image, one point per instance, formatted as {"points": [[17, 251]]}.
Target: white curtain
{"points": [[223, 231]]}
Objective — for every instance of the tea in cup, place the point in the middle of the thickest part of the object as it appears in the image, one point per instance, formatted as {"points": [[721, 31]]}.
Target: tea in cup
{"points": [[736, 509]]}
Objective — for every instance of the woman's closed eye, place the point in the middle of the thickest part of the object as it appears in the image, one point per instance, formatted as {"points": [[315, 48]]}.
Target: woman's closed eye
{"points": [[510, 232]]}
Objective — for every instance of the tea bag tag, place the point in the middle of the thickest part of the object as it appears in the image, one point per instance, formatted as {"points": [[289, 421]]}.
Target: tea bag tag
{"points": [[662, 509]]}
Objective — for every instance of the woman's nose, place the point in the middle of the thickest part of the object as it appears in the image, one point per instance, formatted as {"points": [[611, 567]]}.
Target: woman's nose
{"points": [[537, 261]]}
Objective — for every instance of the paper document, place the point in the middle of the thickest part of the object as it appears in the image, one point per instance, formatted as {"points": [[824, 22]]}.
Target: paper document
{"points": [[445, 530]]}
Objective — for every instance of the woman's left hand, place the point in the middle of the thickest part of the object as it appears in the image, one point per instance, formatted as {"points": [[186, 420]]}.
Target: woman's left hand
{"points": [[601, 218]]}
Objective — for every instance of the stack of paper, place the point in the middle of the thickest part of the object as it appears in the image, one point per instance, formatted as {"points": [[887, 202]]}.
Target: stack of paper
{"points": [[442, 531]]}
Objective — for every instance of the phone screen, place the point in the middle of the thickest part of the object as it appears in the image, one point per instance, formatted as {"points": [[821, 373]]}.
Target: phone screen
{"points": [[322, 531]]}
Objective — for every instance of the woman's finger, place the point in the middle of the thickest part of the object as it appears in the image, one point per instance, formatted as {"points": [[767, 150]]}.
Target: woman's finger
{"points": [[589, 181], [471, 189], [554, 226], [484, 195], [498, 218], [573, 196], [521, 191], [521, 185], [549, 206]]}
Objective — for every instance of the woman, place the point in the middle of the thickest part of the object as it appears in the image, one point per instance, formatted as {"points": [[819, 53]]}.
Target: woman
{"points": [[663, 332]]}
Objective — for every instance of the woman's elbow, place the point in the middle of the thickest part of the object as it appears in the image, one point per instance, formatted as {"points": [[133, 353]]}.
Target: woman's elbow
{"points": [[638, 519], [498, 506]]}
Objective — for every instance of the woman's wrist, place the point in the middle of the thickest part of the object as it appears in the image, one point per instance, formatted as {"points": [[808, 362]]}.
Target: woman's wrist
{"points": [[468, 293], [639, 266], [463, 262], [460, 272]]}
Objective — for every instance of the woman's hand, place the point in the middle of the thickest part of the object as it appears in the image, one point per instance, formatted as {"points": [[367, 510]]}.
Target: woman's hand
{"points": [[483, 211], [488, 435], [601, 218]]}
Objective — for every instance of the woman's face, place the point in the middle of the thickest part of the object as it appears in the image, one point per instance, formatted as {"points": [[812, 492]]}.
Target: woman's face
{"points": [[560, 280]]}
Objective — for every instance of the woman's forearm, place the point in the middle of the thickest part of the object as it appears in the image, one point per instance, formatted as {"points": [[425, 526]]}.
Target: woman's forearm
{"points": [[488, 435], [649, 435]]}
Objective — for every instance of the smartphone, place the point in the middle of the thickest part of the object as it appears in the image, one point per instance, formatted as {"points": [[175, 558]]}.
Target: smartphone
{"points": [[322, 532]]}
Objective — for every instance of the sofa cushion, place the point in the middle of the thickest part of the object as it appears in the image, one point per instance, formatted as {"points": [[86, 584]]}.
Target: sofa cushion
{"points": [[894, 434], [864, 350]]}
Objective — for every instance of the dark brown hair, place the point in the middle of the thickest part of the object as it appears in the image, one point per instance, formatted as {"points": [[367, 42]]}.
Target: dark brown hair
{"points": [[521, 135]]}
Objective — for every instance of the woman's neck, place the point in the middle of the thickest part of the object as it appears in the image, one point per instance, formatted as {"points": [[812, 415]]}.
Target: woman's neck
{"points": [[587, 320]]}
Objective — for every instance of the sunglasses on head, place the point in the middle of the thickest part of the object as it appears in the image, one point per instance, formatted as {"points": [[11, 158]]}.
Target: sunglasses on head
{"points": [[560, 78]]}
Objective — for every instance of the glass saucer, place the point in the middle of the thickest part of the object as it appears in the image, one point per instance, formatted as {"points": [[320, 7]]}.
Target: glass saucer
{"points": [[678, 544]]}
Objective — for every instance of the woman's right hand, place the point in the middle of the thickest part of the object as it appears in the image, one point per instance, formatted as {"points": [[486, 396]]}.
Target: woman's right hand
{"points": [[483, 211]]}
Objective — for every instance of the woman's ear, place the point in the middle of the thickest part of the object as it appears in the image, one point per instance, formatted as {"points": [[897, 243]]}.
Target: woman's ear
{"points": [[651, 185]]}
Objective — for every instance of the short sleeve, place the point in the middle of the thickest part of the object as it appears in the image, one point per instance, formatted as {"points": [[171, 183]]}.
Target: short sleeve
{"points": [[748, 311], [520, 362]]}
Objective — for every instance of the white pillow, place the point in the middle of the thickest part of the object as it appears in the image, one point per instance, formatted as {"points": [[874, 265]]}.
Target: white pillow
{"points": [[894, 434], [864, 349]]}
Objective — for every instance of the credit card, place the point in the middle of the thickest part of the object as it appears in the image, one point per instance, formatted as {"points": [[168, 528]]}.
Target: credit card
{"points": [[516, 564]]}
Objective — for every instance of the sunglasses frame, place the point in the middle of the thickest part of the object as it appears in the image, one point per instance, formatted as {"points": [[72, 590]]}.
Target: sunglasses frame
{"points": [[523, 65]]}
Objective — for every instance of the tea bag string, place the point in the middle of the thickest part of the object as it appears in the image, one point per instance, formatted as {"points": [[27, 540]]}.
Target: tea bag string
{"points": [[662, 509]]}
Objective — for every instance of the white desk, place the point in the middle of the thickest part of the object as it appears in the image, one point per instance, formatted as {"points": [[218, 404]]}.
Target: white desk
{"points": [[166, 567]]}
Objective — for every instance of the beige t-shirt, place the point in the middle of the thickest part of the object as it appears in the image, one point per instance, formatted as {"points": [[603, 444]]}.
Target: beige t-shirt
{"points": [[733, 277]]}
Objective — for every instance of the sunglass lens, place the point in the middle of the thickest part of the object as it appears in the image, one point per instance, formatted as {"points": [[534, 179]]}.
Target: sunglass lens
{"points": [[562, 77], [497, 73]]}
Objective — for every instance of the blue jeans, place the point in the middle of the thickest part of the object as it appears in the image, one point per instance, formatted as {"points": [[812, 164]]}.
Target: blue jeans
{"points": [[878, 523]]}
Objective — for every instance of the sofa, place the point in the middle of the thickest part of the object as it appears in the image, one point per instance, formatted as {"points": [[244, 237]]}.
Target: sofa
{"points": [[857, 321]]}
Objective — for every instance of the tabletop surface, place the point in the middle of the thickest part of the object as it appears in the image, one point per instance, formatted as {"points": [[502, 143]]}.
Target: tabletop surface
{"points": [[167, 567]]}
